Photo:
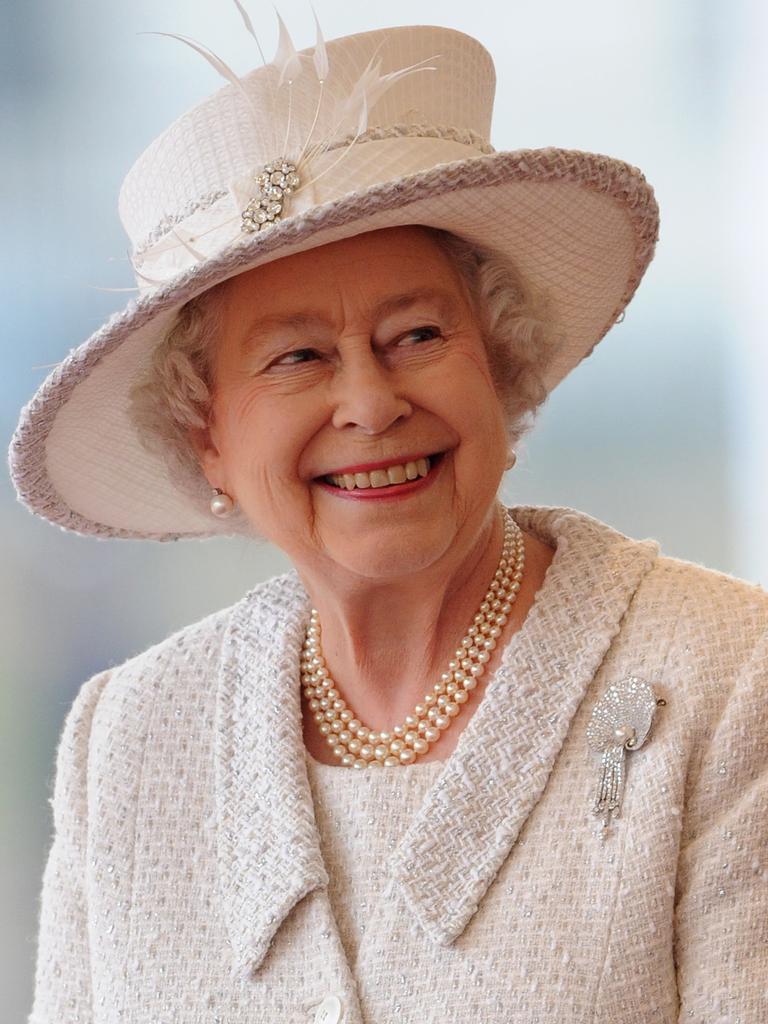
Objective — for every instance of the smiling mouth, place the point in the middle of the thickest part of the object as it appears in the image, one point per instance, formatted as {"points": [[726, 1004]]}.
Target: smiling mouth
{"points": [[380, 479]]}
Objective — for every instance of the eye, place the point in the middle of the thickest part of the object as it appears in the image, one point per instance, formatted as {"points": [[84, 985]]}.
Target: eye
{"points": [[303, 356], [421, 334]]}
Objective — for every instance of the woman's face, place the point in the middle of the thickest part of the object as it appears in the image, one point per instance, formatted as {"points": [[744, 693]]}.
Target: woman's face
{"points": [[363, 351]]}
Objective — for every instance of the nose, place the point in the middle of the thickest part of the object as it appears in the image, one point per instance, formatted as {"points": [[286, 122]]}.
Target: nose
{"points": [[366, 394]]}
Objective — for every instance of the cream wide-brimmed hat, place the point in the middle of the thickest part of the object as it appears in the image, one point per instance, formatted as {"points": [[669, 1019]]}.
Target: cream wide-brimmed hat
{"points": [[369, 131]]}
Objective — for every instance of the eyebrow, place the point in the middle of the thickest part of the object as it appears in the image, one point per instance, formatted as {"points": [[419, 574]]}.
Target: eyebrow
{"points": [[446, 302], [265, 324]]}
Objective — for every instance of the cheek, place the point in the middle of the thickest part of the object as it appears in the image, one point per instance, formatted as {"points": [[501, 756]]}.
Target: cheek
{"points": [[477, 358], [242, 430], [263, 436], [470, 385]]}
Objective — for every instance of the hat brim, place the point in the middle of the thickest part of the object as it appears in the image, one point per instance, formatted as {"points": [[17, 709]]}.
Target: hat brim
{"points": [[580, 226]]}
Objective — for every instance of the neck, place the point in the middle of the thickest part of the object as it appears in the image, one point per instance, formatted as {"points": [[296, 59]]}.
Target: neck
{"points": [[386, 643]]}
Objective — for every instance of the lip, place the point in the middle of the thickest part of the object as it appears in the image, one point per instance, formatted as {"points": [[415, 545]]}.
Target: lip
{"points": [[394, 492], [366, 467]]}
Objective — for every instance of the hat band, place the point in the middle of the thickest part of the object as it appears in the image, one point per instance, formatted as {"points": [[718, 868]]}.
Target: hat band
{"points": [[212, 221]]}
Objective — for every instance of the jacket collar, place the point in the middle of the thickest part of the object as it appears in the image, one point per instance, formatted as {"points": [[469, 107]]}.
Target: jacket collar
{"points": [[269, 848]]}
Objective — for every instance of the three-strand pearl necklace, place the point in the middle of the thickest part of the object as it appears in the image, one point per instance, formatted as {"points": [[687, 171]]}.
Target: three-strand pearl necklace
{"points": [[357, 746]]}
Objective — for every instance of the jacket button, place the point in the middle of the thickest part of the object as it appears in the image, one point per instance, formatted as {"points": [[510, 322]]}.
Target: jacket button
{"points": [[329, 1011]]}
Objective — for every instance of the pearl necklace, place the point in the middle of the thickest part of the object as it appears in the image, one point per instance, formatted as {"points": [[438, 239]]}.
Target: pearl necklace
{"points": [[357, 746]]}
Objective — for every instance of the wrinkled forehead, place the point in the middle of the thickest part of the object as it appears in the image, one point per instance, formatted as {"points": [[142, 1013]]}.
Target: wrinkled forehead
{"points": [[374, 258], [375, 274]]}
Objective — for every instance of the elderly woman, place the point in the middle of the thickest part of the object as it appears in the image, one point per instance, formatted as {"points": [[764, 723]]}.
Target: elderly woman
{"points": [[341, 337]]}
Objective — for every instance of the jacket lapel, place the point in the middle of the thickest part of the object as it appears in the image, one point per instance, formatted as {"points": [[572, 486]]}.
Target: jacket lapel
{"points": [[471, 818], [268, 845]]}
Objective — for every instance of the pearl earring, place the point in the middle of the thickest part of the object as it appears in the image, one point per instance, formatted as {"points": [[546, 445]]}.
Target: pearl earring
{"points": [[511, 458], [221, 504]]}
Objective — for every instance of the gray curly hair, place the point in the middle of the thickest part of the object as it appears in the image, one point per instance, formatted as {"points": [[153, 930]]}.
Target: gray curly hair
{"points": [[174, 395]]}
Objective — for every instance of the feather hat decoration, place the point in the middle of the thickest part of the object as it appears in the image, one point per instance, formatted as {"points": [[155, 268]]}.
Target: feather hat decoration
{"points": [[384, 128], [298, 84]]}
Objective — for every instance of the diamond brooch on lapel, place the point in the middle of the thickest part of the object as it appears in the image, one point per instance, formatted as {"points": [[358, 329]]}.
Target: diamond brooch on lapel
{"points": [[621, 721]]}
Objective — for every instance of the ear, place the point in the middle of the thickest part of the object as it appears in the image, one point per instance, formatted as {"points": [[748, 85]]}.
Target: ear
{"points": [[204, 444]]}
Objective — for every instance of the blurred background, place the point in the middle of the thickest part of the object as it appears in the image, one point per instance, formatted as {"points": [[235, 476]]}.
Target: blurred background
{"points": [[662, 432]]}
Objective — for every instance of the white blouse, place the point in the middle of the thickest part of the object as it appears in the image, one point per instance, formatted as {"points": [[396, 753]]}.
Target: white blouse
{"points": [[361, 819]]}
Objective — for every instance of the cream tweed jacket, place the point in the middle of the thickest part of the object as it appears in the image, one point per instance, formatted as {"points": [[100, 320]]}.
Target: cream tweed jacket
{"points": [[185, 882]]}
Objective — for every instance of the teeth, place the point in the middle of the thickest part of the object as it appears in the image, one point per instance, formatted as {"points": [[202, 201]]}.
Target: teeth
{"points": [[396, 474], [381, 477]]}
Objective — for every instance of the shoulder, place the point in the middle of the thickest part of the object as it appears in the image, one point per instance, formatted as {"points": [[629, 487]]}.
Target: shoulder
{"points": [[703, 630], [714, 614], [197, 644], [706, 634], [709, 604], [182, 667]]}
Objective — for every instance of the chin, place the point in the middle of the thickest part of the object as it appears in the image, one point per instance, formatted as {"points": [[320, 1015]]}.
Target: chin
{"points": [[391, 552]]}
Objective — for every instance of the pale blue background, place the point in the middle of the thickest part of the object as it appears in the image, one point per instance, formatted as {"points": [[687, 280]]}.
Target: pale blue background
{"points": [[662, 432]]}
